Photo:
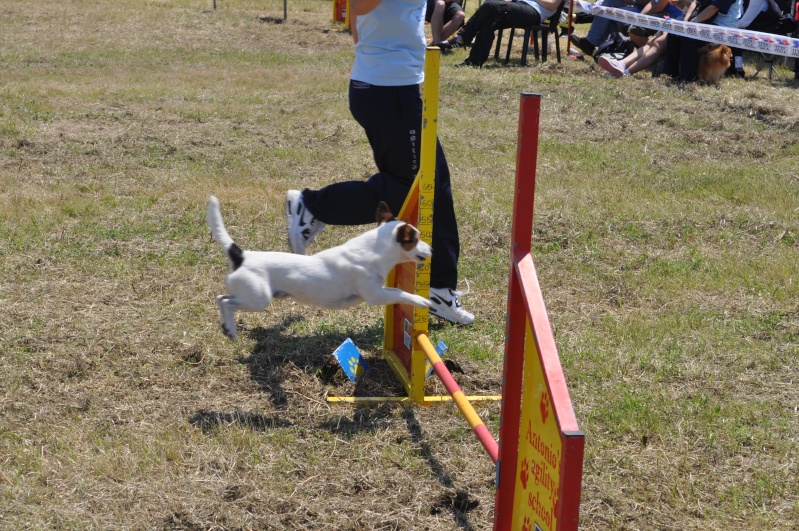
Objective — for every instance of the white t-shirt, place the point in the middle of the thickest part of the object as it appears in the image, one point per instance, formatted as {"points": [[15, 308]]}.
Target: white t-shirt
{"points": [[391, 44], [545, 13]]}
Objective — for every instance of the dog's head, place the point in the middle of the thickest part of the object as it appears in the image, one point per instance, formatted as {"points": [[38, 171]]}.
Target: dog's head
{"points": [[713, 62], [725, 55], [404, 236]]}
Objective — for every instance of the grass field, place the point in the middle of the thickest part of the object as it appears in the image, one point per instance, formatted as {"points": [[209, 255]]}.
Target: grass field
{"points": [[666, 239]]}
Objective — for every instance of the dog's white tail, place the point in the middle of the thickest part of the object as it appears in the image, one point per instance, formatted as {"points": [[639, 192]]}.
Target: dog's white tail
{"points": [[214, 219], [218, 230]]}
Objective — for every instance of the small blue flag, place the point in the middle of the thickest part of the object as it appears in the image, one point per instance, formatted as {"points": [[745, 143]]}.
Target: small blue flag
{"points": [[350, 359], [440, 349]]}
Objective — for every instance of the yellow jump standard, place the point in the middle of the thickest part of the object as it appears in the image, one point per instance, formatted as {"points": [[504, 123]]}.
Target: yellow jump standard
{"points": [[403, 323]]}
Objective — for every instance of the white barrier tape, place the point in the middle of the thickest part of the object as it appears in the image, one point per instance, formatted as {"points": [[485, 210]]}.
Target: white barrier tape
{"points": [[749, 40]]}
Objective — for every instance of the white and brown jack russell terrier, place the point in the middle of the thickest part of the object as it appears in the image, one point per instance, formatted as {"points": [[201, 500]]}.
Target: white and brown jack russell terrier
{"points": [[335, 278]]}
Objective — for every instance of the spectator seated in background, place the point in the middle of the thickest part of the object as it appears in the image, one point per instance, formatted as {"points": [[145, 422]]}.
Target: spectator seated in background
{"points": [[641, 59], [765, 16], [645, 56], [445, 17], [601, 27], [655, 8], [493, 15], [682, 53]]}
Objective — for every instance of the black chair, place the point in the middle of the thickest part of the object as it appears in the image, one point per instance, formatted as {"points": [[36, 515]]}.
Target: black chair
{"points": [[777, 20], [531, 34]]}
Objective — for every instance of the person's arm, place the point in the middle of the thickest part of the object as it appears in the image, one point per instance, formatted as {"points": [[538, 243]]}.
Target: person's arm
{"points": [[706, 14], [717, 6], [689, 10], [639, 3], [362, 7], [359, 7], [754, 9], [655, 6], [354, 27]]}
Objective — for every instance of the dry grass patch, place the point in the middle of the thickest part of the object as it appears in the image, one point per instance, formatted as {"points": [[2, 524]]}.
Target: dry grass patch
{"points": [[665, 238]]}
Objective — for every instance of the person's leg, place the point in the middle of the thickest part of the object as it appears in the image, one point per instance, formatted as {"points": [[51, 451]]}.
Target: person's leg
{"points": [[446, 248], [453, 19], [647, 55], [446, 242], [634, 57], [482, 18], [507, 15], [600, 29], [673, 46], [736, 68], [639, 35], [392, 119], [640, 59], [602, 26], [393, 126], [689, 59], [437, 22]]}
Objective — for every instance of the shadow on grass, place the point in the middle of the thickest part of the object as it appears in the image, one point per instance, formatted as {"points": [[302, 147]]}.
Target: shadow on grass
{"points": [[457, 501], [209, 421], [279, 351], [277, 354], [274, 362]]}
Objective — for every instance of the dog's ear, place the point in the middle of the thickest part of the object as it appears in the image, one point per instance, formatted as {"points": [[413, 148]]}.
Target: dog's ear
{"points": [[407, 236], [383, 214]]}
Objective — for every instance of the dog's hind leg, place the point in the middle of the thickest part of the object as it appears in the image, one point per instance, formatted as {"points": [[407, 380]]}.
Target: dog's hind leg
{"points": [[227, 314]]}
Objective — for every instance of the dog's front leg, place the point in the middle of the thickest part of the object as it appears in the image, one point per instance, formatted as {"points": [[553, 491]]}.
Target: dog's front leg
{"points": [[384, 296]]}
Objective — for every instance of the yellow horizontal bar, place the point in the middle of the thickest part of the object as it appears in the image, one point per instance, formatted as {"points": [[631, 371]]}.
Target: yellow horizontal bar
{"points": [[448, 398], [403, 399], [367, 399]]}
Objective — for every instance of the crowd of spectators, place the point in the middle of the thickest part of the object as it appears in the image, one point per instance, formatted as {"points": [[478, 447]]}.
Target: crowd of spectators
{"points": [[647, 49]]}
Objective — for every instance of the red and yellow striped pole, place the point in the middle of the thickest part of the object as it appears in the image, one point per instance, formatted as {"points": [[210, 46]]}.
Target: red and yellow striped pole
{"points": [[480, 430]]}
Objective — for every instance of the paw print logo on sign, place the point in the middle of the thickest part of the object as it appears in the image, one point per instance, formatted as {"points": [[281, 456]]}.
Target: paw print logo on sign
{"points": [[544, 406], [526, 525], [524, 475], [356, 368]]}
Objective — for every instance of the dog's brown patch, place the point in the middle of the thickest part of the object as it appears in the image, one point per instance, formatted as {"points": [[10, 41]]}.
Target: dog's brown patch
{"points": [[383, 214], [407, 236]]}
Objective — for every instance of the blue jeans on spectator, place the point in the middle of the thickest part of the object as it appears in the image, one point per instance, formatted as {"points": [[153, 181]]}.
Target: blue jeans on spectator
{"points": [[602, 26]]}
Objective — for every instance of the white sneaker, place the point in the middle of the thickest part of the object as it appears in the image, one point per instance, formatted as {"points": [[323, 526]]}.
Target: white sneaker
{"points": [[302, 226], [614, 66], [447, 305]]}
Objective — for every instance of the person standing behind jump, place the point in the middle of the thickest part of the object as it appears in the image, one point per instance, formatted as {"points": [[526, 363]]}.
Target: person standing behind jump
{"points": [[385, 100]]}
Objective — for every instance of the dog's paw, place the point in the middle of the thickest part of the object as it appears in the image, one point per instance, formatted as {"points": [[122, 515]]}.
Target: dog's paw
{"points": [[421, 302], [230, 334]]}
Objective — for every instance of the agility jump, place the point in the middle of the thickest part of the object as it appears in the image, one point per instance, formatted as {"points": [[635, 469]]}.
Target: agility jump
{"points": [[403, 323], [539, 457]]}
